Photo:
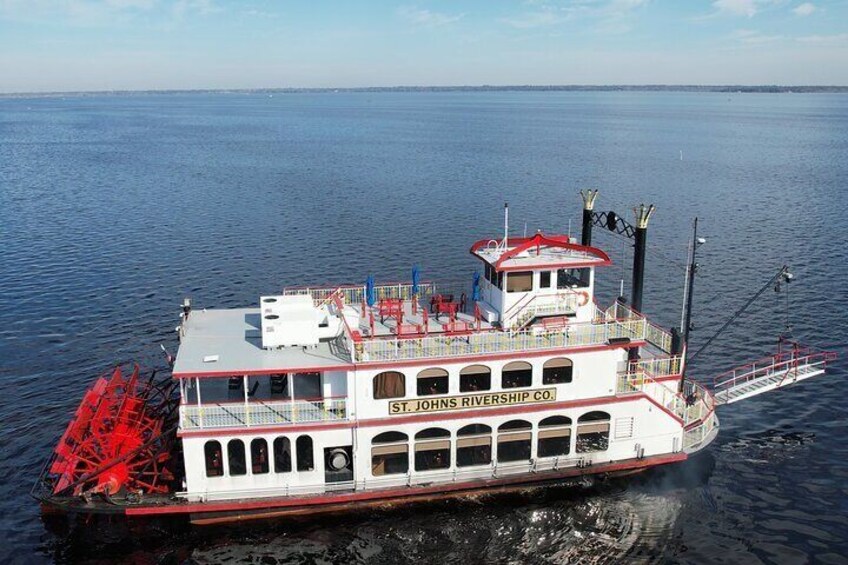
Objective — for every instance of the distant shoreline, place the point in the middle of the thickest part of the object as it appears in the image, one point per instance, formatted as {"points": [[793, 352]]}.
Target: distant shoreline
{"points": [[770, 89]]}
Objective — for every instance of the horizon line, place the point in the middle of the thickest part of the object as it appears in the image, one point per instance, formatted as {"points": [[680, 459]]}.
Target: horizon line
{"points": [[720, 88]]}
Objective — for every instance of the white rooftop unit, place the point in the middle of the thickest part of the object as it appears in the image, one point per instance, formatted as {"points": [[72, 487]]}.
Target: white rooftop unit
{"points": [[288, 321]]}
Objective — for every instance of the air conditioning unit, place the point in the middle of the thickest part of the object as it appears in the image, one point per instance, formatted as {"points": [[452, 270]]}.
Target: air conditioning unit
{"points": [[288, 321]]}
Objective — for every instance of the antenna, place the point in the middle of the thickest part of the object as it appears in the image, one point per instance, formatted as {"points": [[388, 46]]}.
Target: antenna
{"points": [[506, 224]]}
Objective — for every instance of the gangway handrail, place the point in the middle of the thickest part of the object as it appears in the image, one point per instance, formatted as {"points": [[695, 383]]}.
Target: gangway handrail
{"points": [[749, 371]]}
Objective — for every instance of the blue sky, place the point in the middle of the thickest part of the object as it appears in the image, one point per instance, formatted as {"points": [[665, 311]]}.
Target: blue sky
{"points": [[160, 44]]}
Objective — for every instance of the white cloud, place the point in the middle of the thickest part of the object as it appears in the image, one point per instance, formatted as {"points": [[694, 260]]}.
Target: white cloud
{"points": [[836, 39], [753, 37], [736, 7], [425, 17], [804, 9]]}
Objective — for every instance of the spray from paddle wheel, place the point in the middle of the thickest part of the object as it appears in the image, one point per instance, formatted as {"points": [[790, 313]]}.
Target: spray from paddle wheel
{"points": [[119, 441]]}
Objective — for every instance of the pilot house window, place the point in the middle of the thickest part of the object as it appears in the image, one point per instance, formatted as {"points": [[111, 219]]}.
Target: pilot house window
{"points": [[521, 281]]}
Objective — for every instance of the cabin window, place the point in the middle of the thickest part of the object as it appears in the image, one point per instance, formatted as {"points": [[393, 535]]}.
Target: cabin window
{"points": [[390, 454], [307, 386], [514, 439], [305, 459], [214, 459], [557, 371], [282, 455], [475, 378], [520, 281], [259, 456], [489, 273], [517, 374], [389, 384], [554, 436], [593, 432], [432, 449], [573, 278], [474, 445], [545, 279], [235, 457], [432, 381]]}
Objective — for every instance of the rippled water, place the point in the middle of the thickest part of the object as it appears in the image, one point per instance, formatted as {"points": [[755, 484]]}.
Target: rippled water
{"points": [[114, 208]]}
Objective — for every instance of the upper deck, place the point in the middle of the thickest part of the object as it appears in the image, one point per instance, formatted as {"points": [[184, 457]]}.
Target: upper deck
{"points": [[228, 342]]}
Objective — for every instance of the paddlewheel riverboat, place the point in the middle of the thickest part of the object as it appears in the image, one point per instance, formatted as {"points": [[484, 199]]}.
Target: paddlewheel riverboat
{"points": [[330, 398]]}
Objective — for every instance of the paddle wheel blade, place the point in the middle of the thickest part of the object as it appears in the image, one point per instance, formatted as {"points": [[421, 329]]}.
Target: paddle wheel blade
{"points": [[119, 439]]}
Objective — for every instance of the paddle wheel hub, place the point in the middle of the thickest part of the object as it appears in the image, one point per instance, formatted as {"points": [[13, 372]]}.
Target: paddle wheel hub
{"points": [[119, 439]]}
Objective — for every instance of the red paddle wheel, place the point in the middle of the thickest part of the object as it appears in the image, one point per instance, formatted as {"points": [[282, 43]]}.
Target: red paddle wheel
{"points": [[119, 439]]}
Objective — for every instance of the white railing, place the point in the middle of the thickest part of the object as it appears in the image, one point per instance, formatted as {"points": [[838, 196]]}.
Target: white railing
{"points": [[695, 435], [355, 294], [409, 479], [574, 335], [567, 304], [659, 366], [639, 381], [259, 413], [654, 335]]}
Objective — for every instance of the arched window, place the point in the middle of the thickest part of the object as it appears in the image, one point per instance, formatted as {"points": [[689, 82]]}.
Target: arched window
{"points": [[389, 384], [474, 445], [475, 378], [390, 454], [517, 374], [235, 457], [214, 459], [432, 381], [593, 432], [514, 439], [554, 436], [259, 456], [282, 455], [432, 449], [557, 371], [305, 460]]}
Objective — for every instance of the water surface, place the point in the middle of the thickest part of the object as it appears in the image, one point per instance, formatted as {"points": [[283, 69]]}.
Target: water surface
{"points": [[114, 208]]}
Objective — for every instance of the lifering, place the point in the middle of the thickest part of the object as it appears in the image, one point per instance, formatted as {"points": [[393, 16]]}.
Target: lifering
{"points": [[584, 298]]}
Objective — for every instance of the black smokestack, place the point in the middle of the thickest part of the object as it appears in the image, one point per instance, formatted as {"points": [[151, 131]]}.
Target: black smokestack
{"points": [[643, 215], [588, 204]]}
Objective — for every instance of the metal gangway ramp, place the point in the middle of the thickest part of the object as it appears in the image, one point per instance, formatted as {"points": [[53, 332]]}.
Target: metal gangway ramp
{"points": [[777, 371]]}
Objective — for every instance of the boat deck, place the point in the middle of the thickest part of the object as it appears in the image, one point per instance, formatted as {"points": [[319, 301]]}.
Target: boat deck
{"points": [[229, 342]]}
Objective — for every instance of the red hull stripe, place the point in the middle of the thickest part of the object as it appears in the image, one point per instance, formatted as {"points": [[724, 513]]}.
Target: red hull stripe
{"points": [[430, 417], [400, 493], [415, 362]]}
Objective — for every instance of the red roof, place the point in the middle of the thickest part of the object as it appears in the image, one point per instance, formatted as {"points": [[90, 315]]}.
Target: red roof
{"points": [[595, 258]]}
